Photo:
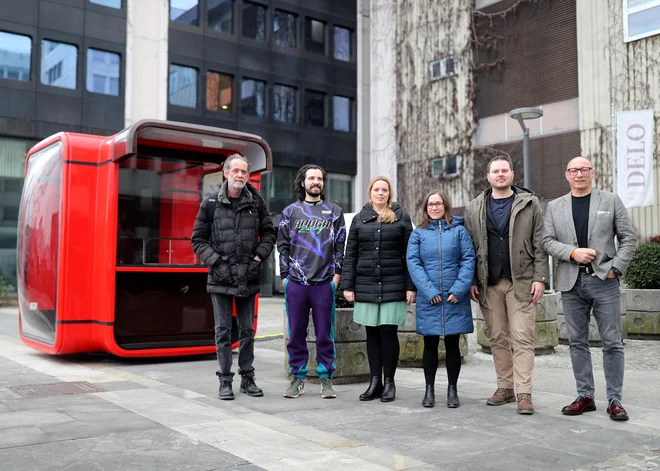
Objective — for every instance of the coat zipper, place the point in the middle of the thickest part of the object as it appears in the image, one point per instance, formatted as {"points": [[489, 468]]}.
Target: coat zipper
{"points": [[442, 301]]}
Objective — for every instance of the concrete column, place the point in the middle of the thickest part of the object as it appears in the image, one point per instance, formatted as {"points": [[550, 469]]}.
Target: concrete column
{"points": [[147, 28]]}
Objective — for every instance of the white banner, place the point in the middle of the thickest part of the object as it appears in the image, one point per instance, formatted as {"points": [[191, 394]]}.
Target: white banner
{"points": [[635, 158]]}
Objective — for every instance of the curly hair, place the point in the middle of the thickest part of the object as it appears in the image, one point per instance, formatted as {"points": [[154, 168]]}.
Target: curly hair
{"points": [[299, 183]]}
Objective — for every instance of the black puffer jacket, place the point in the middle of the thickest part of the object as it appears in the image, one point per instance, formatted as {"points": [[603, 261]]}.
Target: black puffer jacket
{"points": [[229, 248], [375, 263]]}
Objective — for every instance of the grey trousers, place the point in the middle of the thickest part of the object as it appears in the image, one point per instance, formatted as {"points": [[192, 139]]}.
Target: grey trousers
{"points": [[603, 297], [222, 312]]}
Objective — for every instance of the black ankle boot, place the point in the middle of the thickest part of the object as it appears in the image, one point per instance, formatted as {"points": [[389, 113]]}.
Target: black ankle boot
{"points": [[429, 396], [452, 397], [374, 390], [225, 392], [249, 387], [389, 391]]}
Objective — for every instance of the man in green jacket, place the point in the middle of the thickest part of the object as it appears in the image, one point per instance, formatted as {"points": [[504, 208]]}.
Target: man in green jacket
{"points": [[506, 226]]}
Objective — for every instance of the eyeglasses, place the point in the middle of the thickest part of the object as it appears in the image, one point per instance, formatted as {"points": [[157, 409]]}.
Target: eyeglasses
{"points": [[435, 205], [584, 171]]}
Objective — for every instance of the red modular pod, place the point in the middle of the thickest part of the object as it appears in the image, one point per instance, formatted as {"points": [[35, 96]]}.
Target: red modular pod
{"points": [[105, 262]]}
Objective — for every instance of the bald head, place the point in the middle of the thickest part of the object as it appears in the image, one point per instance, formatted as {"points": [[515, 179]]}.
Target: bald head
{"points": [[579, 162]]}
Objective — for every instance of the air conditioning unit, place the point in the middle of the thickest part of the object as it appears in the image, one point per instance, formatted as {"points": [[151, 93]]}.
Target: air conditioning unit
{"points": [[443, 68]]}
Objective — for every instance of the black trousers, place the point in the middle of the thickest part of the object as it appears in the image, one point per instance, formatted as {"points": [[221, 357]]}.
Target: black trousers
{"points": [[383, 350], [452, 361]]}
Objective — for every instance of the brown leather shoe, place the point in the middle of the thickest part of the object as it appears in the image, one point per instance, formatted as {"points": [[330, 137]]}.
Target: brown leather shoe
{"points": [[525, 406], [501, 396], [579, 405], [616, 410]]}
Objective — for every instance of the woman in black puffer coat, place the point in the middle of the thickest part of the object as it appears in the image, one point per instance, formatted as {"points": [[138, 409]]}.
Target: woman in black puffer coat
{"points": [[375, 276]]}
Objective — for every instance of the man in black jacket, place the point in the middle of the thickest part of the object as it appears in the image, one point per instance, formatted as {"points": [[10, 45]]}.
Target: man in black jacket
{"points": [[233, 242]]}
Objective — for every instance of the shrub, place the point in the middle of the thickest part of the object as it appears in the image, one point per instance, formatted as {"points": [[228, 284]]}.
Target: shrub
{"points": [[655, 239], [5, 288], [644, 269]]}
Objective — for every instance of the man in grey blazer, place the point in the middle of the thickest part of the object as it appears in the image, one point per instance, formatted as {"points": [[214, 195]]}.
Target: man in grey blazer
{"points": [[579, 231]]}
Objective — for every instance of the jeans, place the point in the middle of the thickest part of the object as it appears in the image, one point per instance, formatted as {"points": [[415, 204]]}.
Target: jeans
{"points": [[603, 297], [222, 312]]}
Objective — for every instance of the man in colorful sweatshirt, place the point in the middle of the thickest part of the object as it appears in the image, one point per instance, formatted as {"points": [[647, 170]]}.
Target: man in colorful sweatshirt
{"points": [[310, 241]]}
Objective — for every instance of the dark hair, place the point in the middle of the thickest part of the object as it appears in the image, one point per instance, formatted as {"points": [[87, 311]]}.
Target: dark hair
{"points": [[425, 210], [504, 157], [299, 183]]}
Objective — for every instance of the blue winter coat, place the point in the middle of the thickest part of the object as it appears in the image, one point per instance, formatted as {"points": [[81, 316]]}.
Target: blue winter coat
{"points": [[442, 267]]}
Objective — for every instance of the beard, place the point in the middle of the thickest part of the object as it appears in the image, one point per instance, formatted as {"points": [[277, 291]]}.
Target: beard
{"points": [[314, 191], [237, 184]]}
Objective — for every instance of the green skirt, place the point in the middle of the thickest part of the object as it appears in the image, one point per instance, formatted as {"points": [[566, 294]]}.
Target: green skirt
{"points": [[375, 314]]}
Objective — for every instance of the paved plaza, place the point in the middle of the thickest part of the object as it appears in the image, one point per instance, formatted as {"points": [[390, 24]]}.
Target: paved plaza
{"points": [[163, 414]]}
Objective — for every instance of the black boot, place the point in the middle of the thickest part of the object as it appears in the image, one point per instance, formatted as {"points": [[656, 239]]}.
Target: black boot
{"points": [[389, 391], [374, 390], [225, 393], [249, 387], [452, 397], [429, 396]]}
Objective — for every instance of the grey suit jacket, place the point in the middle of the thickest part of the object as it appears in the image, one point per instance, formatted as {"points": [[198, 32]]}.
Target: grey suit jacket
{"points": [[608, 219]]}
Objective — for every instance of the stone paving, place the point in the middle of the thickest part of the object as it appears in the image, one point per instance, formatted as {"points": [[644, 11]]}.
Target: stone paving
{"points": [[164, 414]]}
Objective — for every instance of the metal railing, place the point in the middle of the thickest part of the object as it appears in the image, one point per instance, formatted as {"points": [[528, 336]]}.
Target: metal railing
{"points": [[144, 254]]}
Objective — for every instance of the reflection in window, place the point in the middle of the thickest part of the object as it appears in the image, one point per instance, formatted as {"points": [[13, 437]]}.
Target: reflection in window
{"points": [[58, 64], [284, 29], [340, 191], [185, 11], [314, 108], [15, 51], [102, 72], [284, 104], [219, 88], [107, 3], [315, 36], [183, 86], [221, 15], [254, 21], [253, 98], [342, 44], [341, 113]]}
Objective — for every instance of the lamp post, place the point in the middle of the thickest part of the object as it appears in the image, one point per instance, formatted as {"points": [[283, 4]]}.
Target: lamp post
{"points": [[521, 114]]}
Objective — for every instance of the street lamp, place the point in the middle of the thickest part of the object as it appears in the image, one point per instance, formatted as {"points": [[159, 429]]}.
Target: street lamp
{"points": [[521, 114]]}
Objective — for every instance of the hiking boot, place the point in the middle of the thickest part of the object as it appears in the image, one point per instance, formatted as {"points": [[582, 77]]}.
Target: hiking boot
{"points": [[249, 387], [296, 388], [327, 391], [225, 393], [501, 396], [616, 410], [525, 406]]}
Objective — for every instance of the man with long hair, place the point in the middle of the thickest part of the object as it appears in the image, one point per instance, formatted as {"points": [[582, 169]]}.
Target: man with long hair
{"points": [[310, 240], [506, 226]]}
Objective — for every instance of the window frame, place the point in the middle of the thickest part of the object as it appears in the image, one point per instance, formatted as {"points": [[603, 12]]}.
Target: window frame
{"points": [[630, 11], [211, 30], [296, 21], [309, 19], [350, 43], [246, 3], [232, 107], [121, 4], [41, 63], [265, 98], [443, 173], [30, 58], [195, 82], [296, 101], [108, 78], [181, 23], [325, 108], [351, 119]]}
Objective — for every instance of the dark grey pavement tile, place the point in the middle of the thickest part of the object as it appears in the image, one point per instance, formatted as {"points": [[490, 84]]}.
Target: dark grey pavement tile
{"points": [[20, 436]]}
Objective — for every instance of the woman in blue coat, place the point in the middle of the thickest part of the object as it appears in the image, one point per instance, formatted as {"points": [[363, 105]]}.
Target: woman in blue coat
{"points": [[441, 264]]}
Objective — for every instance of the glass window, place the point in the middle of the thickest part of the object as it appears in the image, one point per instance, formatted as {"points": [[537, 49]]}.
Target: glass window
{"points": [[314, 108], [641, 19], [219, 92], [254, 21], [59, 63], [220, 15], [342, 44], [253, 98], [102, 72], [185, 11], [38, 244], [107, 3], [183, 86], [284, 29], [15, 51], [315, 36], [446, 166], [284, 104], [341, 113], [340, 190]]}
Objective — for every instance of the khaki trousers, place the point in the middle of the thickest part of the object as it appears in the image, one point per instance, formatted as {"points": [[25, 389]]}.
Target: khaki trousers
{"points": [[504, 315]]}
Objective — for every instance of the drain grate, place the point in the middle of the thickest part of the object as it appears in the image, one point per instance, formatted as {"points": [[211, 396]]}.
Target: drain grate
{"points": [[55, 389]]}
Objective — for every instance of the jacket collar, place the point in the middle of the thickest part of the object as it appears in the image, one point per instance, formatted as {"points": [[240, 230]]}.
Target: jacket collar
{"points": [[246, 194], [367, 213]]}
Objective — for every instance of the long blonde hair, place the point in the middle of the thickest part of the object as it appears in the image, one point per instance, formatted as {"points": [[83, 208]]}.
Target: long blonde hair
{"points": [[387, 215]]}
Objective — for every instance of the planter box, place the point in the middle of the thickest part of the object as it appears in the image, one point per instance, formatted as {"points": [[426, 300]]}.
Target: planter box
{"points": [[546, 329], [594, 335], [641, 315]]}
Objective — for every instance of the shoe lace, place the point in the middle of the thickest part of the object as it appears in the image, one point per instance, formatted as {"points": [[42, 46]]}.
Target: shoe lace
{"points": [[524, 397]]}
